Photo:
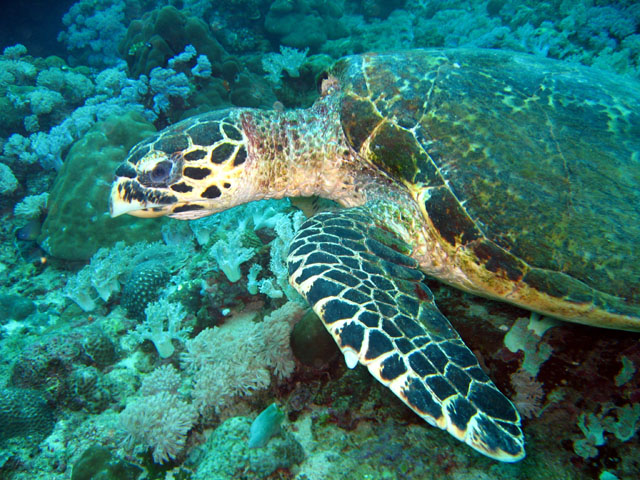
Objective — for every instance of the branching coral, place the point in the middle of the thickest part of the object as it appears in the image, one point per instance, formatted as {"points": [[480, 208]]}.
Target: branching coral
{"points": [[162, 325]]}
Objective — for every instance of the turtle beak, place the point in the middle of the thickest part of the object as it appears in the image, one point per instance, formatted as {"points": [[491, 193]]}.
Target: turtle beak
{"points": [[118, 205], [121, 202]]}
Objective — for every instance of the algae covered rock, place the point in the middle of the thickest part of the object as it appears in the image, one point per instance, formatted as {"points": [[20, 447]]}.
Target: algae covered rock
{"points": [[15, 307], [97, 462], [227, 453], [78, 221], [311, 344]]}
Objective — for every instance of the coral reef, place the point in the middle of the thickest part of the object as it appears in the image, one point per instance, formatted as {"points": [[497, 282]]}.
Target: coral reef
{"points": [[133, 347]]}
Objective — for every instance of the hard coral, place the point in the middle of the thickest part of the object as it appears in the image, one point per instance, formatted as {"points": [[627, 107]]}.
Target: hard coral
{"points": [[143, 286], [24, 413], [163, 33]]}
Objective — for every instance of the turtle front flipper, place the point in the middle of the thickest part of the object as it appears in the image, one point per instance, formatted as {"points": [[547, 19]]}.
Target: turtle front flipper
{"points": [[372, 300]]}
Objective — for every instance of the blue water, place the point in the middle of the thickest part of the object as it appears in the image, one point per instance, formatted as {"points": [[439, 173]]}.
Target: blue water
{"points": [[147, 346]]}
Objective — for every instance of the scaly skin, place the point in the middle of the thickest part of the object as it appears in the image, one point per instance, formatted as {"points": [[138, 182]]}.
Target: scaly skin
{"points": [[289, 154]]}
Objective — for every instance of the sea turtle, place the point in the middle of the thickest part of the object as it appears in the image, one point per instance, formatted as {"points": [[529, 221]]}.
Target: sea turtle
{"points": [[506, 175]]}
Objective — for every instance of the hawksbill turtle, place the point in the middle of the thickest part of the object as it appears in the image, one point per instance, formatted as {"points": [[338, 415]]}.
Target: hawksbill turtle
{"points": [[505, 175]]}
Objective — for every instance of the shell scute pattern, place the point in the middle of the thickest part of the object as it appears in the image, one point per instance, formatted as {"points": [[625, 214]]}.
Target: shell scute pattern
{"points": [[479, 138]]}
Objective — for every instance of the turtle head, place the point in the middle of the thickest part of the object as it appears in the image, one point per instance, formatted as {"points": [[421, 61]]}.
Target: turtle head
{"points": [[189, 170]]}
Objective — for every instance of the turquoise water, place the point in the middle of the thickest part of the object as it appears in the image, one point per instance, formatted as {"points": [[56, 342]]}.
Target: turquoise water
{"points": [[145, 348]]}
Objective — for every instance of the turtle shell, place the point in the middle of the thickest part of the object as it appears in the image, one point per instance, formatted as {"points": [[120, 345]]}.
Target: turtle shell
{"points": [[529, 166]]}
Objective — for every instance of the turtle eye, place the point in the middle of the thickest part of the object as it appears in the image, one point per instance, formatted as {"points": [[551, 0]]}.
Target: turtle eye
{"points": [[161, 172]]}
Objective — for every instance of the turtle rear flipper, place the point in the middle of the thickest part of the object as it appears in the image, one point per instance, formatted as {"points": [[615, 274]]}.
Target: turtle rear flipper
{"points": [[373, 302]]}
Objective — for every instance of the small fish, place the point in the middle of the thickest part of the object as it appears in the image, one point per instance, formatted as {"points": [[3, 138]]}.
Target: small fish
{"points": [[30, 231], [265, 426]]}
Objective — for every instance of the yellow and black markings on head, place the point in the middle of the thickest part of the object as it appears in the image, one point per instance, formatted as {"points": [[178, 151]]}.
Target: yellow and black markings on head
{"points": [[197, 159]]}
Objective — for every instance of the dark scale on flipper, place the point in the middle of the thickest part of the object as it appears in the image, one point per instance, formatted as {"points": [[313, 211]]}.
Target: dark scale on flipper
{"points": [[352, 335], [303, 248], [421, 365], [460, 411], [356, 297], [300, 243], [392, 368], [321, 289], [440, 387], [343, 278], [335, 310], [458, 378], [379, 344], [310, 272], [322, 237], [321, 258], [498, 439], [344, 233], [382, 297], [436, 357], [408, 305], [368, 319], [409, 327], [490, 400], [391, 329], [403, 345], [371, 298], [421, 400], [459, 354]]}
